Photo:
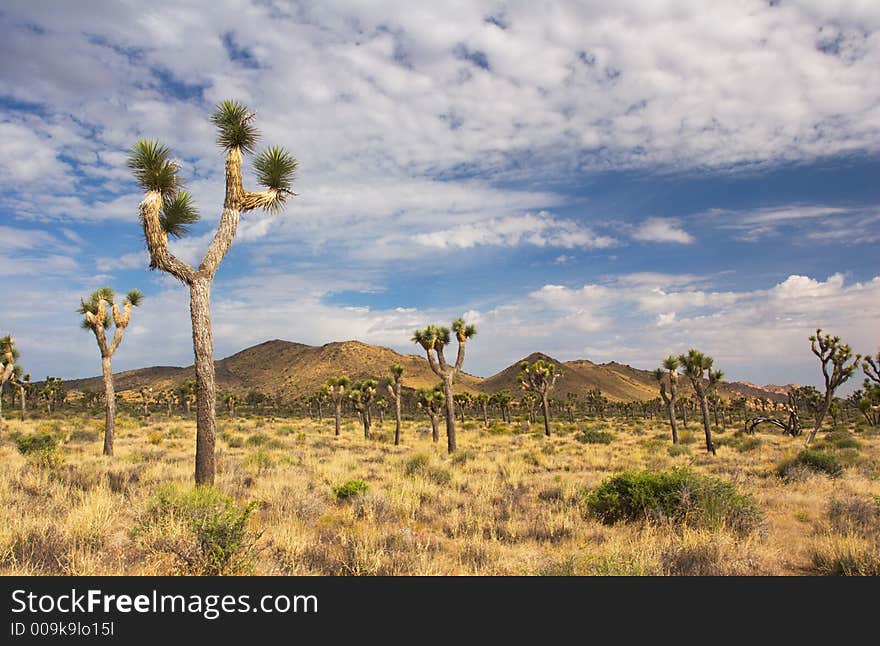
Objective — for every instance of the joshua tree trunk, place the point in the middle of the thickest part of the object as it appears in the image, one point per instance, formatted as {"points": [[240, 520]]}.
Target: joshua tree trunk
{"points": [[545, 405], [338, 414], [435, 434], [365, 417], [485, 416], [450, 414], [704, 408], [203, 347], [820, 416], [110, 396], [22, 394], [397, 419]]}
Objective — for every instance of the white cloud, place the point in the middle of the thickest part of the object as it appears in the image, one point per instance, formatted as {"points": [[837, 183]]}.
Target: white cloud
{"points": [[539, 229], [662, 230], [133, 260]]}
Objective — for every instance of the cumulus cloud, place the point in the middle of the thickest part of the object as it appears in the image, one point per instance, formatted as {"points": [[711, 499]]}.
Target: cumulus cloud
{"points": [[662, 230], [539, 229]]}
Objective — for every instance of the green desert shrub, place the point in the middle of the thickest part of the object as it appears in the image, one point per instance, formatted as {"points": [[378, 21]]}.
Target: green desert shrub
{"points": [[42, 448], [678, 496], [840, 440], [417, 464], [593, 436], [215, 539], [350, 489], [739, 441], [811, 460], [678, 449]]}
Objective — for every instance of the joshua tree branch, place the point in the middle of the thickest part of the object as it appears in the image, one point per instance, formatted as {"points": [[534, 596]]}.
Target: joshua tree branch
{"points": [[459, 360], [157, 241], [232, 206]]}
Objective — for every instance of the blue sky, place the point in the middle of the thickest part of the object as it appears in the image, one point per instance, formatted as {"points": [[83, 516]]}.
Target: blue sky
{"points": [[591, 181]]}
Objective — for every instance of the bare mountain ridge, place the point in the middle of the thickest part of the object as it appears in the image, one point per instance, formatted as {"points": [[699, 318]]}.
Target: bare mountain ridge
{"points": [[295, 369]]}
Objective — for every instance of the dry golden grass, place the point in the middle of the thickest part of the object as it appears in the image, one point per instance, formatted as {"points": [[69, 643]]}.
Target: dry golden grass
{"points": [[506, 503]]}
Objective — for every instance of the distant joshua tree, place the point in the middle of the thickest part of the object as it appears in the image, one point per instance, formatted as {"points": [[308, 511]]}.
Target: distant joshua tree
{"points": [[570, 404], [838, 365], [432, 401], [168, 210], [52, 391], [433, 339], [503, 400], [362, 396], [482, 400], [337, 389], [669, 374], [146, 394], [697, 367], [229, 400], [394, 387], [540, 378], [99, 311], [23, 383], [8, 356]]}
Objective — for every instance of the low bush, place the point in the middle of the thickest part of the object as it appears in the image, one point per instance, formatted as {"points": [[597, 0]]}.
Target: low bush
{"points": [[592, 436], [350, 489], [215, 539], [811, 460], [679, 496]]}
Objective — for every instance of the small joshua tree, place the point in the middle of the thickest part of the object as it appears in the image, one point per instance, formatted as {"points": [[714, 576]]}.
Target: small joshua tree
{"points": [[168, 210], [838, 365], [697, 367], [394, 387], [432, 401], [8, 356], [540, 378], [99, 311], [229, 400], [482, 400], [433, 339], [668, 374], [336, 387], [146, 394], [362, 396], [23, 383], [503, 400], [871, 368]]}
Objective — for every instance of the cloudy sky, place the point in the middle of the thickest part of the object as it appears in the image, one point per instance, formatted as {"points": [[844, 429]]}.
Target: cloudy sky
{"points": [[611, 181]]}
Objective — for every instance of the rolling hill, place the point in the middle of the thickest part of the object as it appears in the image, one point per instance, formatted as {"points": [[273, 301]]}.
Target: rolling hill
{"points": [[296, 369]]}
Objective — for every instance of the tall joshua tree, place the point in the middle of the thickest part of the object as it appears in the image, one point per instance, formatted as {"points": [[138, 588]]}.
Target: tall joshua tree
{"points": [[394, 387], [168, 210], [8, 355], [697, 367], [98, 313], [362, 395], [669, 374], [336, 388], [838, 365], [503, 399], [433, 339], [540, 378]]}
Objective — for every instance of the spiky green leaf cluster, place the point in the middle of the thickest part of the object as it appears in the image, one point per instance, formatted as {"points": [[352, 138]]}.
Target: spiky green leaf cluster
{"points": [[178, 212], [432, 337], [153, 167], [275, 169], [462, 329], [235, 126], [135, 297]]}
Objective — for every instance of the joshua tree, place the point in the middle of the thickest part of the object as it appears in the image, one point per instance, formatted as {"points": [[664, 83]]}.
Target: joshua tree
{"points": [[502, 399], [432, 400], [433, 339], [669, 374], [8, 355], [540, 378], [168, 210], [321, 397], [697, 367], [51, 388], [362, 396], [99, 311], [394, 387], [838, 365], [23, 382], [871, 368], [229, 401], [336, 387], [382, 407], [482, 400], [186, 394], [146, 394], [570, 404], [462, 401]]}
